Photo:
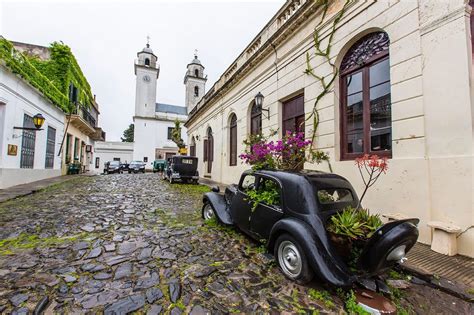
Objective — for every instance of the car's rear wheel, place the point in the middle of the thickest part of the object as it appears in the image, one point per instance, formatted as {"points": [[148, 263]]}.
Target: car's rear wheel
{"points": [[292, 259], [207, 212]]}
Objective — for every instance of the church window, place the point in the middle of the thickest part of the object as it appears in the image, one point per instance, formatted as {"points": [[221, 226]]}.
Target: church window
{"points": [[255, 120], [170, 133], [196, 73], [233, 140], [196, 91], [366, 119], [147, 61]]}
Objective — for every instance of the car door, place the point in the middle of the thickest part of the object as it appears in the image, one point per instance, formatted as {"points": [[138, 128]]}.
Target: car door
{"points": [[265, 215], [240, 208]]}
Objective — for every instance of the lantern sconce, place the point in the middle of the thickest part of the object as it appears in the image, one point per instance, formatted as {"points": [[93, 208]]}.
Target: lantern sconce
{"points": [[259, 102], [38, 121]]}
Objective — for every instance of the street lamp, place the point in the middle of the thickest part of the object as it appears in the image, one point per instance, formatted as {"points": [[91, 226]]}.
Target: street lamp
{"points": [[259, 102], [38, 121]]}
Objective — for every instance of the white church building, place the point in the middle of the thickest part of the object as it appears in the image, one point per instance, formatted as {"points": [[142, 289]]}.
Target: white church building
{"points": [[155, 121]]}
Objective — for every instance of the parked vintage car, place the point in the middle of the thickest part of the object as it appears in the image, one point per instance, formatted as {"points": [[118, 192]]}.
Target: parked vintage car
{"points": [[182, 168], [295, 229], [159, 165], [136, 167], [111, 167]]}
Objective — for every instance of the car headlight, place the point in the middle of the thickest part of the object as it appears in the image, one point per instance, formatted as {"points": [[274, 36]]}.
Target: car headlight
{"points": [[397, 254]]}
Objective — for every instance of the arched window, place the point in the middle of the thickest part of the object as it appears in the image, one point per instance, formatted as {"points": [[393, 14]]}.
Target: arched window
{"points": [[255, 120], [192, 147], [209, 150], [233, 140], [196, 91], [196, 73], [147, 61], [366, 119]]}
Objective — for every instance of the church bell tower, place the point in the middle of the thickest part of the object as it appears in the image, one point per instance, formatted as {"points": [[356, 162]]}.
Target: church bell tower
{"points": [[147, 71], [195, 82]]}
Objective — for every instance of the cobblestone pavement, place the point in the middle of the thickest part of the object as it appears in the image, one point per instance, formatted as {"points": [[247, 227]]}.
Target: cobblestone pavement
{"points": [[125, 243]]}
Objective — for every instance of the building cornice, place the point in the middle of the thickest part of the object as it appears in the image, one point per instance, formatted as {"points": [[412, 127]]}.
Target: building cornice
{"points": [[181, 120], [284, 23]]}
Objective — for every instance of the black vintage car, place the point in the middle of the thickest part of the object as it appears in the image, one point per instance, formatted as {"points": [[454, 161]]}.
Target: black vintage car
{"points": [[111, 167], [182, 168], [295, 229]]}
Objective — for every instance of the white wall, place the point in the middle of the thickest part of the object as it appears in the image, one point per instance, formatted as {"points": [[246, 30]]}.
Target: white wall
{"points": [[20, 98], [109, 150], [152, 134]]}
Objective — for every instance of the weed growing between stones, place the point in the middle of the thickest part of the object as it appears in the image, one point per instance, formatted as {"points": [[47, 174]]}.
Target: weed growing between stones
{"points": [[28, 241], [322, 296]]}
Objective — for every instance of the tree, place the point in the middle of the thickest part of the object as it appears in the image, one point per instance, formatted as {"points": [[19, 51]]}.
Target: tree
{"points": [[176, 135], [128, 134]]}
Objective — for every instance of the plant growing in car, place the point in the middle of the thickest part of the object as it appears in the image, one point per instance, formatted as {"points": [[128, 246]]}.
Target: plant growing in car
{"points": [[370, 168], [268, 194], [347, 223]]}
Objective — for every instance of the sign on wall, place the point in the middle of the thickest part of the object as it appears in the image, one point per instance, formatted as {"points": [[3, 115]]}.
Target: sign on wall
{"points": [[12, 149]]}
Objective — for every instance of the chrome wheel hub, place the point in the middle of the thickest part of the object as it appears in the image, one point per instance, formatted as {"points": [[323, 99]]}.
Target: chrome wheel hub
{"points": [[208, 212], [289, 259]]}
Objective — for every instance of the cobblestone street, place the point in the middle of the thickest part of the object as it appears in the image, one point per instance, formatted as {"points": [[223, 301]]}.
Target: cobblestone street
{"points": [[124, 243]]}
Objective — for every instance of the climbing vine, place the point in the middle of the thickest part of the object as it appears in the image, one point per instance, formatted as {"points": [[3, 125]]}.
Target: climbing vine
{"points": [[21, 65], [51, 77], [323, 52]]}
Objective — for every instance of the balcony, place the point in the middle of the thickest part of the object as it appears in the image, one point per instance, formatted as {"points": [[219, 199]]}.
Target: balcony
{"points": [[83, 120], [99, 135]]}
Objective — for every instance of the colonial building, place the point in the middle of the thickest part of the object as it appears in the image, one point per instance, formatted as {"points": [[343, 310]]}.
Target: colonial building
{"points": [[392, 78], [154, 121], [111, 151], [29, 87]]}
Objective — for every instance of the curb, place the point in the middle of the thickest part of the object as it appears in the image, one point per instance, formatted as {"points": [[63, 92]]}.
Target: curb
{"points": [[451, 287]]}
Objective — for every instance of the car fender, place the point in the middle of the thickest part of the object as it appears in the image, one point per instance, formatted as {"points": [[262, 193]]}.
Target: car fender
{"points": [[323, 263], [217, 202]]}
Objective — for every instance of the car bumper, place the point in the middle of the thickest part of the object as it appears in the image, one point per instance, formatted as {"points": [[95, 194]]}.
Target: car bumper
{"points": [[177, 176]]}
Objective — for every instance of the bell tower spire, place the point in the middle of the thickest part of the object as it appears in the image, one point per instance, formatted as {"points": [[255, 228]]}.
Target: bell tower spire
{"points": [[195, 82], [147, 71]]}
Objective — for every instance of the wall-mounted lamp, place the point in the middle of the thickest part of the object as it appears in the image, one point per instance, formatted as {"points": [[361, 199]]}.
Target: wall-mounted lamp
{"points": [[197, 137], [259, 102], [38, 121]]}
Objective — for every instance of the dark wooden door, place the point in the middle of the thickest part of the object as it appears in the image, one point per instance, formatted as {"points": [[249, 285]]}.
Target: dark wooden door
{"points": [[210, 152], [293, 115]]}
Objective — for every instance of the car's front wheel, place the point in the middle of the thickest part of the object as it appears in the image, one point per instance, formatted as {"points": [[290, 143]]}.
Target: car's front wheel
{"points": [[207, 212], [292, 259]]}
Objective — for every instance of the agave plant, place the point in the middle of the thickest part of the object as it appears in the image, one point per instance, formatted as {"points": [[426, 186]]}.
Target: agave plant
{"points": [[347, 223], [354, 223]]}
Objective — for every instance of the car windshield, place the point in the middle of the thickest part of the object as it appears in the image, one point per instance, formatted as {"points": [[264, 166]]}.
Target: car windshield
{"points": [[135, 163], [115, 163]]}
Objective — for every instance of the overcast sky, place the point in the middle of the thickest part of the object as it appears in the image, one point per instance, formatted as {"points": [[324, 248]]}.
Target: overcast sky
{"points": [[106, 35]]}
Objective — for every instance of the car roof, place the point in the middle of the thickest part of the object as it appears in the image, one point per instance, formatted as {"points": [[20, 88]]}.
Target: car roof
{"points": [[296, 176]]}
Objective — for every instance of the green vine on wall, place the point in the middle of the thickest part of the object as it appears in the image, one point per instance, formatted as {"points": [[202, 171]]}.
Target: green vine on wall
{"points": [[324, 52], [51, 77], [21, 65]]}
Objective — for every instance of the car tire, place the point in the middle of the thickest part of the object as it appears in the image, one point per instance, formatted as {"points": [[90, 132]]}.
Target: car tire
{"points": [[292, 259], [207, 212]]}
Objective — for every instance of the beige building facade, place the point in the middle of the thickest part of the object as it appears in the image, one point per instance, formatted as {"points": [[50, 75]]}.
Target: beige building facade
{"points": [[403, 89]]}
